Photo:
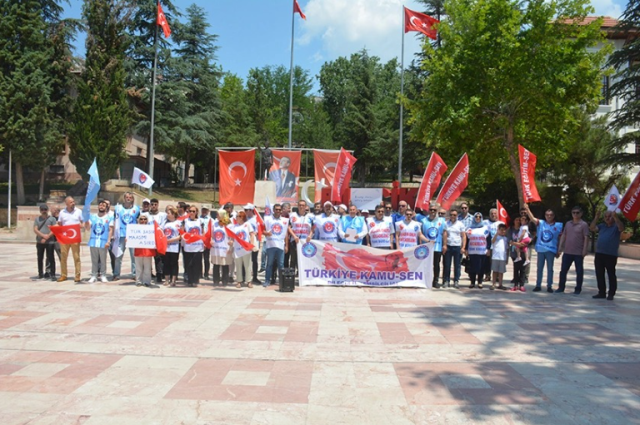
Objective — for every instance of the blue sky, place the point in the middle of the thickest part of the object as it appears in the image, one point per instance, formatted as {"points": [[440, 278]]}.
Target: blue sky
{"points": [[255, 33]]}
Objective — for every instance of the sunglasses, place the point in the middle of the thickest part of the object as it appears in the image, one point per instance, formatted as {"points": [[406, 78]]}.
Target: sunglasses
{"points": [[387, 208], [277, 209], [433, 210], [193, 211], [442, 214]]}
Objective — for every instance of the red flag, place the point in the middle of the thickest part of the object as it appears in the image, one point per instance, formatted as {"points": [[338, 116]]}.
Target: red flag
{"points": [[325, 168], [296, 9], [206, 238], [245, 244], [191, 237], [416, 21], [161, 239], [237, 176], [260, 221], [162, 21], [502, 213], [527, 175], [430, 181], [67, 235], [455, 184], [342, 177], [629, 204]]}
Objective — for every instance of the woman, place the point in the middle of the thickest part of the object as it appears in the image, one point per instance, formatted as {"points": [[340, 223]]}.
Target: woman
{"points": [[513, 236], [221, 255], [171, 229], [244, 231], [192, 231], [478, 236]]}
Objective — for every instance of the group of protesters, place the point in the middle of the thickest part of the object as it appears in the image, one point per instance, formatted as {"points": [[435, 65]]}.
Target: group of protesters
{"points": [[229, 243]]}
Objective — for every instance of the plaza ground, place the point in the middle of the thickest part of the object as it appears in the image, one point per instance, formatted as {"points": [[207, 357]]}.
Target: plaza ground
{"points": [[120, 354]]}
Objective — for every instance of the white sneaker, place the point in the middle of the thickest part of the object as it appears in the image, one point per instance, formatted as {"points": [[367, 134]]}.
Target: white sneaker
{"points": [[103, 279], [93, 279], [517, 260], [526, 263]]}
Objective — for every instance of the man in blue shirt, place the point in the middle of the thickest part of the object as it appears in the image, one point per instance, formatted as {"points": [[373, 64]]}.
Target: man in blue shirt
{"points": [[546, 246], [607, 252], [101, 227], [434, 228]]}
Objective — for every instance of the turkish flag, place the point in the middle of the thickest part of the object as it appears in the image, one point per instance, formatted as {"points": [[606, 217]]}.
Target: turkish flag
{"points": [[237, 176], [416, 21], [162, 21], [161, 239], [342, 176], [325, 167], [260, 221], [430, 181], [244, 244], [527, 175], [296, 9], [206, 238], [502, 213], [630, 204], [67, 235], [455, 184], [190, 237]]}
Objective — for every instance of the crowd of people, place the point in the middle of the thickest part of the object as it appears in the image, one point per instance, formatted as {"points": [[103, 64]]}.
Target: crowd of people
{"points": [[236, 252]]}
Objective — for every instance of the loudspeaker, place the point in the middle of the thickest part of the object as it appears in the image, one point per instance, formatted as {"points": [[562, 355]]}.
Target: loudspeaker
{"points": [[287, 280]]}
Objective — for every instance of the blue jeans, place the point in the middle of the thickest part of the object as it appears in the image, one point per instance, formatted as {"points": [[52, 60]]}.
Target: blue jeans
{"points": [[547, 257], [275, 258], [453, 252], [118, 265], [567, 260]]}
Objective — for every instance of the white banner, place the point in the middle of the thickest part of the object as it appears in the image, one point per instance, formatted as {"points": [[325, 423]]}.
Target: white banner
{"points": [[339, 264], [366, 199], [141, 236]]}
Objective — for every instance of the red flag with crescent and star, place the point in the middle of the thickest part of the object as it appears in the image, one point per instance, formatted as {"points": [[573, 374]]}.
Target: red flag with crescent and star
{"points": [[416, 21], [206, 238], [503, 216], [162, 21], [161, 239], [296, 9], [325, 167], [237, 176], [67, 235]]}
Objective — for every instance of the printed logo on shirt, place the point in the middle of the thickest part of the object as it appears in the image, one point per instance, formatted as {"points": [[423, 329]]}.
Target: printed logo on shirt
{"points": [[276, 229], [546, 236], [329, 227], [432, 233], [218, 236], [168, 232], [99, 228], [127, 218], [243, 235], [371, 224], [294, 219]]}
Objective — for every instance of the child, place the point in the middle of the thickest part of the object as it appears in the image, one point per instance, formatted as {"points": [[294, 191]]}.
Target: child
{"points": [[499, 250], [524, 237], [144, 257]]}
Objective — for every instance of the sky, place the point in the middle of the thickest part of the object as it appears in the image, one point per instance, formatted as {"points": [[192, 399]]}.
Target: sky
{"points": [[256, 33]]}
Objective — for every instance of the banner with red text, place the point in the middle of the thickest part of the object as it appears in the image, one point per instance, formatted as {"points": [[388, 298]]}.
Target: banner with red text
{"points": [[285, 172], [341, 264], [528, 174], [237, 176], [430, 181], [455, 184], [630, 204], [325, 162], [342, 177]]}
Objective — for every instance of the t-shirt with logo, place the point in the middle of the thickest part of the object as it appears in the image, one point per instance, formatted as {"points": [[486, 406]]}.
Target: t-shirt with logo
{"points": [[159, 217], [171, 230], [407, 233], [300, 225], [548, 236], [433, 231], [126, 216], [243, 231], [380, 232], [193, 227], [220, 241], [99, 230], [478, 240], [327, 227], [278, 228]]}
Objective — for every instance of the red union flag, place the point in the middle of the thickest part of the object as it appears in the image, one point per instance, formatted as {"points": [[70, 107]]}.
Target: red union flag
{"points": [[430, 181], [629, 204], [455, 184], [503, 216], [325, 168], [416, 21], [342, 177], [162, 21], [67, 235], [237, 176], [527, 175], [296, 9]]}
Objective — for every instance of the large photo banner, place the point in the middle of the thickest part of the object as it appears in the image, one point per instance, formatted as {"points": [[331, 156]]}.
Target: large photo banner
{"points": [[285, 172], [340, 264]]}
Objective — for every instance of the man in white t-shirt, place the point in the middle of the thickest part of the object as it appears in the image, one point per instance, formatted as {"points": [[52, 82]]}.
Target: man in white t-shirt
{"points": [[277, 229], [326, 224], [70, 215], [380, 230]]}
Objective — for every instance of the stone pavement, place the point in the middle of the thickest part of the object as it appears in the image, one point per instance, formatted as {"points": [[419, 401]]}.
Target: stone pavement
{"points": [[120, 354]]}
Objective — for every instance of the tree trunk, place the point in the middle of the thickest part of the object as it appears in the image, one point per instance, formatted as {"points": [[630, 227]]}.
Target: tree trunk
{"points": [[187, 160], [20, 183], [513, 160], [41, 190]]}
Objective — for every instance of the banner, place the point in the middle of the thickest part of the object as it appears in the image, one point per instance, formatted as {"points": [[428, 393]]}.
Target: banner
{"points": [[237, 176], [612, 200], [141, 236], [342, 177], [455, 184], [430, 181], [340, 264], [92, 190], [285, 172], [366, 199], [325, 167], [629, 204], [527, 175], [141, 178]]}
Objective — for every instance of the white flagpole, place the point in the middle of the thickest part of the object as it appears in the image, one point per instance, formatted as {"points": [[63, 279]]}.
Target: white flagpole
{"points": [[401, 107], [150, 154], [291, 81]]}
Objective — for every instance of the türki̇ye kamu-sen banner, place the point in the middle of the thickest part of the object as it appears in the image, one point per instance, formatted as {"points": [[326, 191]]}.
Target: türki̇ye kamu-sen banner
{"points": [[340, 264]]}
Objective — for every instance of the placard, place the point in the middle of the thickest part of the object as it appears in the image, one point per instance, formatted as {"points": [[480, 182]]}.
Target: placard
{"points": [[141, 236], [366, 199]]}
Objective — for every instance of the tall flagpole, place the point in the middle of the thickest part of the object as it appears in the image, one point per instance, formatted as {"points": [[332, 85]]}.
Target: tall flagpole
{"points": [[9, 195], [401, 107], [150, 154], [291, 81]]}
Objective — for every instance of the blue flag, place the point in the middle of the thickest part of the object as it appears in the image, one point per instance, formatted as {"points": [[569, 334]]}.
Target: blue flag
{"points": [[92, 190]]}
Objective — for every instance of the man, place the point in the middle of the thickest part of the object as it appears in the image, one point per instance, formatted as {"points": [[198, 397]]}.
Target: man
{"points": [[45, 242], [381, 230], [456, 242], [353, 229], [101, 227], [205, 218], [276, 233], [154, 215], [408, 231], [127, 213], [548, 235], [183, 207], [326, 225], [250, 211], [146, 204], [492, 223], [434, 229], [317, 208], [465, 217], [401, 214], [68, 216], [299, 228], [574, 242], [285, 180], [112, 256], [607, 252], [55, 213], [286, 209], [342, 210]]}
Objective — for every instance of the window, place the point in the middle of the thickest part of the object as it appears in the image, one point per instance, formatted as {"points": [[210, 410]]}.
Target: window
{"points": [[606, 97]]}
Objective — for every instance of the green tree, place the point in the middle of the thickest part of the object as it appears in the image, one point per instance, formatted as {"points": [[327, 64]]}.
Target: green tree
{"points": [[101, 115], [237, 125], [507, 73]]}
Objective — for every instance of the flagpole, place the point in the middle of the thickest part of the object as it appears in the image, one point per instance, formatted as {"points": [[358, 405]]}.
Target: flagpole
{"points": [[9, 195], [291, 81], [401, 107], [150, 154]]}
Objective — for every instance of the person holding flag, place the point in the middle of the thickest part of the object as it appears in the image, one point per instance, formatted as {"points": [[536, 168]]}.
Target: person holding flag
{"points": [[125, 214], [243, 240], [171, 229], [258, 227], [548, 236], [101, 227], [607, 252], [70, 216], [221, 254], [192, 232]]}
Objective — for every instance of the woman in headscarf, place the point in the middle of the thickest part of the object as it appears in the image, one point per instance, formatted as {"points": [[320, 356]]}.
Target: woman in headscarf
{"points": [[478, 240]]}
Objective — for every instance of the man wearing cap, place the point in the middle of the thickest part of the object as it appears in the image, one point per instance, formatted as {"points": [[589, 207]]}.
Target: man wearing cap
{"points": [[342, 210], [299, 228], [68, 216], [101, 227], [146, 205], [127, 213], [326, 224], [45, 242]]}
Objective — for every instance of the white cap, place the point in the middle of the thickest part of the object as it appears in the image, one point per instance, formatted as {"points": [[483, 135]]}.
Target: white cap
{"points": [[249, 206], [146, 200], [343, 206], [327, 203]]}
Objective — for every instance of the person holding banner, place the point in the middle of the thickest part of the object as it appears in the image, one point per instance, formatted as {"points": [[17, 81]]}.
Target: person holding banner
{"points": [[546, 245], [607, 252], [352, 227], [326, 224], [408, 231], [101, 227], [171, 230], [381, 230], [434, 228], [143, 257], [68, 216], [456, 242], [478, 236], [299, 228]]}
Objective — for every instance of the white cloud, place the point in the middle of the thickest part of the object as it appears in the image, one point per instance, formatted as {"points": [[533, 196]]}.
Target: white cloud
{"points": [[609, 8]]}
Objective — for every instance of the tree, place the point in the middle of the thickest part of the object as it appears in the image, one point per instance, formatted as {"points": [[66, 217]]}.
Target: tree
{"points": [[101, 115], [237, 126], [507, 73]]}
